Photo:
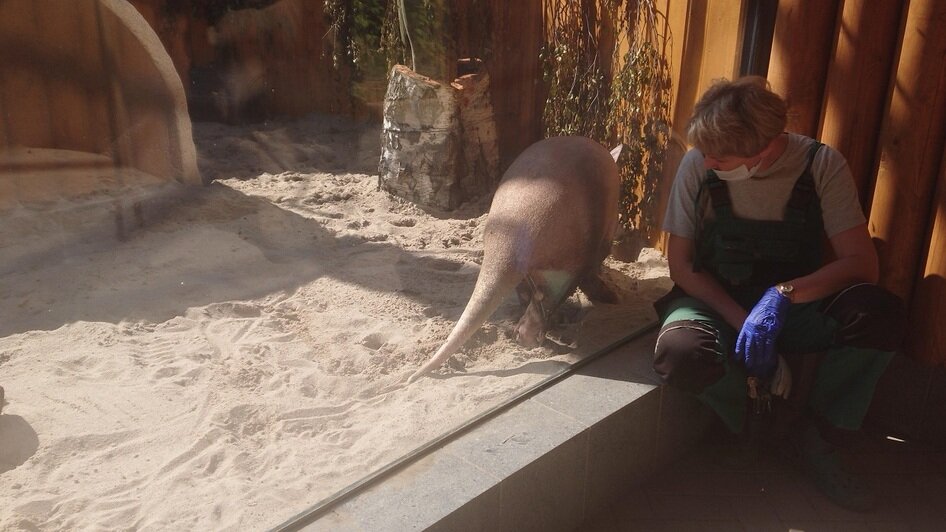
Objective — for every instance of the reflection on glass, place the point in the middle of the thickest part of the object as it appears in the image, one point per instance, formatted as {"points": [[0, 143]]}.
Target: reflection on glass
{"points": [[229, 233]]}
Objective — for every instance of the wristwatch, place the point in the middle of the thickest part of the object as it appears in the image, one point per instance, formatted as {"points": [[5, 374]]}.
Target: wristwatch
{"points": [[787, 290]]}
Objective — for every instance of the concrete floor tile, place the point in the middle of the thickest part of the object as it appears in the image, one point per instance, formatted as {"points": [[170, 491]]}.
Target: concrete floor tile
{"points": [[683, 525], [888, 526], [825, 526], [730, 456], [548, 494], [621, 452], [907, 501], [933, 425], [791, 482], [419, 496], [931, 484], [923, 512], [938, 461], [734, 483], [606, 522], [893, 485], [640, 358], [896, 408], [675, 482], [887, 509], [829, 511], [589, 398], [515, 438], [755, 513], [792, 506], [695, 507], [684, 421], [479, 515], [334, 521], [889, 463], [724, 483], [633, 507]]}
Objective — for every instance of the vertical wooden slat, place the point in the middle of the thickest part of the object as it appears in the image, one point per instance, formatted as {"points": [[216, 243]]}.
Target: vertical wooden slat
{"points": [[710, 51], [856, 89], [95, 95], [723, 41], [911, 146], [4, 139], [687, 81], [804, 33], [24, 86], [674, 27], [58, 25], [927, 340], [705, 48], [516, 75]]}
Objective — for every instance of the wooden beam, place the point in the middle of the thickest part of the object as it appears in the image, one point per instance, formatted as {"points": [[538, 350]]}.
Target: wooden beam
{"points": [[804, 34], [516, 75], [856, 88], [61, 24], [911, 147], [711, 47], [927, 341], [23, 84]]}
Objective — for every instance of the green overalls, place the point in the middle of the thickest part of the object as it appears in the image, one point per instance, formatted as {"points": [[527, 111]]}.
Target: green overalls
{"points": [[749, 256]]}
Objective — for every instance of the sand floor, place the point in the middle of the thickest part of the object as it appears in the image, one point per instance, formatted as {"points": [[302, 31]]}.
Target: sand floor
{"points": [[245, 354]]}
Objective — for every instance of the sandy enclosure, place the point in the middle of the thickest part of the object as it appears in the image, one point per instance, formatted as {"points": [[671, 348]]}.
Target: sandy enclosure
{"points": [[245, 355]]}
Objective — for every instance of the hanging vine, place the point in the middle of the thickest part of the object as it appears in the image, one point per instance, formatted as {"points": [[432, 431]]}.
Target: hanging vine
{"points": [[357, 26], [371, 36], [608, 79]]}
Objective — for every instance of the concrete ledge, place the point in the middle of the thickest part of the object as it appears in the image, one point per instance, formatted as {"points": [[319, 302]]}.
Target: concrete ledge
{"points": [[547, 463]]}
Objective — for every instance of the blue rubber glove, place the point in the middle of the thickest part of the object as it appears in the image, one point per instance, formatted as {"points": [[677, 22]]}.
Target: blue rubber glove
{"points": [[755, 346]]}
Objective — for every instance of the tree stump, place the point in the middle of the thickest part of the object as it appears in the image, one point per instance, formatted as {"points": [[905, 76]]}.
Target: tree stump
{"points": [[438, 141], [480, 140]]}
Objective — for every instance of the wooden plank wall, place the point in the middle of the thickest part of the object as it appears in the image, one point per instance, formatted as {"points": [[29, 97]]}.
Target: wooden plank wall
{"points": [[870, 79], [703, 48], [910, 165]]}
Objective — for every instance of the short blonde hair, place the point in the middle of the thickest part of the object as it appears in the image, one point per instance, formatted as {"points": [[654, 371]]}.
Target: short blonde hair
{"points": [[737, 118]]}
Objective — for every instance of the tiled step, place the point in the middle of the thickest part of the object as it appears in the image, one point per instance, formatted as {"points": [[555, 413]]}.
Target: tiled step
{"points": [[546, 463]]}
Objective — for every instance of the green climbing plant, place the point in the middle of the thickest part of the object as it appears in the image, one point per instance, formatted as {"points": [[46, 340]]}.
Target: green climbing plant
{"points": [[373, 35], [608, 78], [357, 29]]}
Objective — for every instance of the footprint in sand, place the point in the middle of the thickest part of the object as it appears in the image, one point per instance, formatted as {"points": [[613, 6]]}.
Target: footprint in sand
{"points": [[374, 341], [404, 222]]}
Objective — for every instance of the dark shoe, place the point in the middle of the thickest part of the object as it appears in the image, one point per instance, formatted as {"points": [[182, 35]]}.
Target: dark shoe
{"points": [[821, 462]]}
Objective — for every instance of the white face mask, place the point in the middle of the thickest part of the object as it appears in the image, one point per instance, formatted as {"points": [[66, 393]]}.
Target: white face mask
{"points": [[739, 173]]}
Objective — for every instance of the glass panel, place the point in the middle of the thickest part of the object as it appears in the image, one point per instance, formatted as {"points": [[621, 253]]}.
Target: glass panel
{"points": [[231, 232]]}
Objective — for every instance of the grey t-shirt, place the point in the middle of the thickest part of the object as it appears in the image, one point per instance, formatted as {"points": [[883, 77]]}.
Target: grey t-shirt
{"points": [[763, 197]]}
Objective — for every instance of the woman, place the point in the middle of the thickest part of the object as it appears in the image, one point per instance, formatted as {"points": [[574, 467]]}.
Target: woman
{"points": [[756, 301]]}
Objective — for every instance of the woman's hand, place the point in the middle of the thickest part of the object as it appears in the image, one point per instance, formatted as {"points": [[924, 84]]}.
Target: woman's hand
{"points": [[755, 345]]}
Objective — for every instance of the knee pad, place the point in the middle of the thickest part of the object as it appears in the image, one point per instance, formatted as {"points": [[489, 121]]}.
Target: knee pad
{"points": [[688, 356]]}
